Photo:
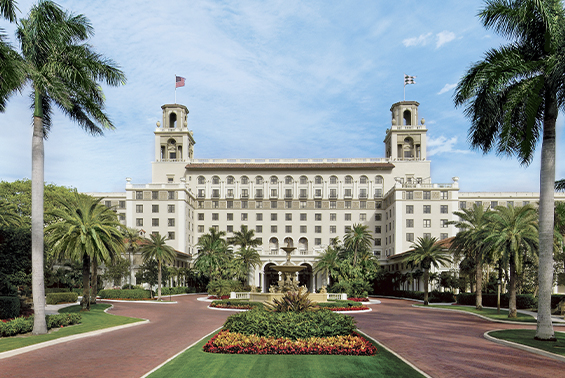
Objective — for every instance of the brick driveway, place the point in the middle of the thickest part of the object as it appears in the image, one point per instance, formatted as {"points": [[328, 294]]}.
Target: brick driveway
{"points": [[451, 344], [441, 343]]}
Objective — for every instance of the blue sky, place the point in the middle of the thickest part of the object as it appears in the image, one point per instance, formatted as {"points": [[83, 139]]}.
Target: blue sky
{"points": [[288, 79]]}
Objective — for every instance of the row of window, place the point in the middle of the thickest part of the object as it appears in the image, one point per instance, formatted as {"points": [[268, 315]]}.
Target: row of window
{"points": [[155, 222], [410, 236], [427, 209], [288, 204], [427, 195], [492, 205], [287, 216], [154, 209], [121, 204], [427, 223], [154, 195], [230, 180], [288, 193]]}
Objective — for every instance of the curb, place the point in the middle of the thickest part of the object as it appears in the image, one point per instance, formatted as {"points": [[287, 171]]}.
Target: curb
{"points": [[227, 309], [521, 346], [154, 302], [396, 355]]}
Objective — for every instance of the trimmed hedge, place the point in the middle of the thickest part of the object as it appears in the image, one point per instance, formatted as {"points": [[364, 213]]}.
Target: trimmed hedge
{"points": [[236, 303], [9, 307], [49, 290], [340, 304], [25, 325], [124, 294], [177, 290], [523, 301], [294, 325], [56, 298]]}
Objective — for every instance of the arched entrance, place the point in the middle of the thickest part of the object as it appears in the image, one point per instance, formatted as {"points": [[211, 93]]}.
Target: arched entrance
{"points": [[271, 277], [305, 276]]}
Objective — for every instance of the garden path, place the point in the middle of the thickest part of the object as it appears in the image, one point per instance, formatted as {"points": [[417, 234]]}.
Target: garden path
{"points": [[451, 344]]}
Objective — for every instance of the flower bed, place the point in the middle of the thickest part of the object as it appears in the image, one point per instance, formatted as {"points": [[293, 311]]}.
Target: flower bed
{"points": [[24, 325], [358, 299], [236, 343], [359, 308]]}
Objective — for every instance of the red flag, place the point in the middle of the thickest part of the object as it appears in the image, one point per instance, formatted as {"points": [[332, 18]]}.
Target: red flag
{"points": [[179, 81]]}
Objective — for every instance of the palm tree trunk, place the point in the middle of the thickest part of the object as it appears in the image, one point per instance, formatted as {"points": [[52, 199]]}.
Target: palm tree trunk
{"points": [[479, 280], [38, 278], [85, 302], [512, 313], [544, 330], [426, 279], [94, 281], [159, 281]]}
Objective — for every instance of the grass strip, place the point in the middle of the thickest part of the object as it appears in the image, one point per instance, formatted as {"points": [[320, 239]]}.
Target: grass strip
{"points": [[196, 362], [488, 313], [92, 320], [526, 337]]}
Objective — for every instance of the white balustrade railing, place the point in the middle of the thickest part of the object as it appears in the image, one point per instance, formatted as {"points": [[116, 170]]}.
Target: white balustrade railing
{"points": [[337, 296], [234, 295]]}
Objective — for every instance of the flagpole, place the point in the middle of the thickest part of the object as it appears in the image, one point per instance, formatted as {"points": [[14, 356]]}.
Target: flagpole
{"points": [[175, 88], [404, 87]]}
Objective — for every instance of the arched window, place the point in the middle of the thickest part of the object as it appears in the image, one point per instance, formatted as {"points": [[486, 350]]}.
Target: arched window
{"points": [[363, 180], [288, 180], [244, 180], [288, 242], [274, 179], [173, 120], [348, 179], [407, 115], [333, 179], [303, 180], [303, 244], [230, 180], [201, 180], [379, 180], [259, 180], [274, 244], [215, 180], [318, 180]]}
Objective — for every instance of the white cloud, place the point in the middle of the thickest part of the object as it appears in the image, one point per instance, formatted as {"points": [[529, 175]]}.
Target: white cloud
{"points": [[444, 37], [441, 145], [446, 88], [421, 40]]}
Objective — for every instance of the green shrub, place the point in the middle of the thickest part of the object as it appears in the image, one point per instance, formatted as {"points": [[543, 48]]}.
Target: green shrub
{"points": [[237, 303], [437, 296], [223, 287], [294, 325], [125, 294], [296, 301], [49, 290], [177, 290], [128, 286], [523, 301], [409, 294], [340, 304], [354, 288], [56, 298], [24, 325], [9, 307]]}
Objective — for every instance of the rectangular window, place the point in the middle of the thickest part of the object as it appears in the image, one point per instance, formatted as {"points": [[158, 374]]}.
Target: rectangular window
{"points": [[171, 195], [333, 229], [362, 217], [230, 216], [378, 193], [303, 229], [303, 193], [201, 228], [215, 204], [200, 216], [259, 216], [139, 222], [479, 203], [244, 204], [170, 209], [409, 209], [258, 204], [122, 204], [378, 229], [288, 229], [318, 217], [409, 195], [200, 204], [229, 193], [427, 223], [462, 205], [303, 217], [171, 235], [171, 222], [201, 193], [216, 227], [409, 223], [244, 217], [427, 235], [273, 216], [510, 203], [108, 204], [427, 195], [333, 193], [333, 216], [154, 208], [347, 229], [444, 209], [258, 193], [377, 241], [273, 204], [318, 204], [155, 222], [121, 217], [215, 216], [288, 204], [318, 241], [444, 195], [409, 237], [154, 195], [273, 229], [493, 204], [139, 208], [318, 229], [288, 217], [442, 236], [333, 204], [317, 193], [258, 229], [302, 204], [362, 204], [274, 193], [362, 193], [348, 204], [348, 216], [347, 193], [443, 223], [378, 217], [427, 209], [244, 193], [229, 204], [138, 195], [260, 241]]}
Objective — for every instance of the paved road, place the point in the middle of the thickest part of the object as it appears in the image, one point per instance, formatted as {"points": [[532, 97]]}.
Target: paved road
{"points": [[441, 343], [450, 344], [129, 352]]}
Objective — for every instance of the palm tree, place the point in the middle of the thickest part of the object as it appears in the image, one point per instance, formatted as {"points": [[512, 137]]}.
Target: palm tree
{"points": [[514, 236], [246, 259], [357, 238], [132, 241], [213, 254], [469, 243], [64, 71], [512, 98], [329, 261], [11, 64], [9, 216], [427, 253], [157, 249], [244, 238], [87, 231]]}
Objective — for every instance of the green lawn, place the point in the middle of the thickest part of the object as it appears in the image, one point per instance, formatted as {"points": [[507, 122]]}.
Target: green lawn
{"points": [[196, 363], [526, 337], [489, 313], [93, 320]]}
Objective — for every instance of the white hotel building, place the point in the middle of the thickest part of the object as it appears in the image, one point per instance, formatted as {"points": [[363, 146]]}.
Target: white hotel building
{"points": [[304, 202]]}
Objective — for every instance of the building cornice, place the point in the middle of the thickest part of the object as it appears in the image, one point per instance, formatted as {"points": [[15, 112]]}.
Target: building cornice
{"points": [[289, 166]]}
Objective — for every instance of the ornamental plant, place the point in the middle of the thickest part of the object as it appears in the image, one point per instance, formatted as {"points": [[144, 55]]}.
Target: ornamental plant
{"points": [[296, 301]]}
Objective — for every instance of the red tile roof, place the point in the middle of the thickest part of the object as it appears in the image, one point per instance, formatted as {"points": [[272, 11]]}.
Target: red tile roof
{"points": [[289, 166]]}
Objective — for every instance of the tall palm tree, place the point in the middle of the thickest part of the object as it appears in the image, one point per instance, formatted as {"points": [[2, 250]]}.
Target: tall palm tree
{"points": [[87, 230], [213, 254], [427, 253], [469, 242], [12, 76], [512, 98], [64, 71], [514, 236], [132, 242], [244, 238], [356, 239], [157, 249], [9, 216], [247, 258]]}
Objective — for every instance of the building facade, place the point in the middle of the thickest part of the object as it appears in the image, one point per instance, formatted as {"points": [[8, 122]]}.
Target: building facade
{"points": [[301, 202]]}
